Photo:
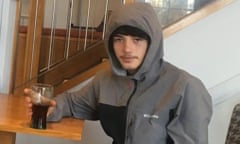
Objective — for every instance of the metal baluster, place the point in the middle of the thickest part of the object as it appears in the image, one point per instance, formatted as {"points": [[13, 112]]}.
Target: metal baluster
{"points": [[86, 31], [52, 34], [79, 30], [69, 29], [52, 37], [93, 22], [33, 43], [105, 18]]}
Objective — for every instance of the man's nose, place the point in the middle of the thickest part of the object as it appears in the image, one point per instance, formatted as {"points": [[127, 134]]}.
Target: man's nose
{"points": [[127, 45]]}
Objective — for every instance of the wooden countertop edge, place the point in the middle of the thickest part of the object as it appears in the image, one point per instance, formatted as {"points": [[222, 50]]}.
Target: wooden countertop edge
{"points": [[47, 133]]}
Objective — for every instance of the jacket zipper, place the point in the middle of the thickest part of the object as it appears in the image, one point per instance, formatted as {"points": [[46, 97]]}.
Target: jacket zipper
{"points": [[127, 123]]}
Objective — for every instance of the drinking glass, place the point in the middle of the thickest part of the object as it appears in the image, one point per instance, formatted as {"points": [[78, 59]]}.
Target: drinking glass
{"points": [[41, 95]]}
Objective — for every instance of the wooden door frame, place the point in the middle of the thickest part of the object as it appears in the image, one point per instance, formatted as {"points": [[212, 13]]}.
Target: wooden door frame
{"points": [[32, 50]]}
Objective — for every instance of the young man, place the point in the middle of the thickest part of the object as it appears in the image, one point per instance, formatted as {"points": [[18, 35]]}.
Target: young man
{"points": [[142, 99]]}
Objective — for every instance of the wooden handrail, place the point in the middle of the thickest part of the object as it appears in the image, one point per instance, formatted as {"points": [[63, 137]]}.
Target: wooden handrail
{"points": [[168, 31], [75, 33], [195, 16], [81, 77], [74, 65]]}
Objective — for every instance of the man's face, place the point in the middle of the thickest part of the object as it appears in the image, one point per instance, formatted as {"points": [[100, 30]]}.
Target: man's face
{"points": [[130, 51]]}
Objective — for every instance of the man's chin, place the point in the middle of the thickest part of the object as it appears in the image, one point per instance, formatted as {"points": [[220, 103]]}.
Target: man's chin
{"points": [[131, 70]]}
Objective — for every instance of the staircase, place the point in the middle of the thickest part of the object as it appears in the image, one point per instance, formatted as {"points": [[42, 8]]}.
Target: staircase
{"points": [[78, 67]]}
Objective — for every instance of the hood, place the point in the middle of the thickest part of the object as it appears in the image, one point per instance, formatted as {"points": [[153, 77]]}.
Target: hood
{"points": [[142, 16]]}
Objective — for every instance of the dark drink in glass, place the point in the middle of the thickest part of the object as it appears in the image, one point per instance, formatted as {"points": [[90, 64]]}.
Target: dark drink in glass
{"points": [[41, 95], [39, 116]]}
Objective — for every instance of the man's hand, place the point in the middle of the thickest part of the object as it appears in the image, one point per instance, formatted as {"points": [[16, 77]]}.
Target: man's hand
{"points": [[28, 102]]}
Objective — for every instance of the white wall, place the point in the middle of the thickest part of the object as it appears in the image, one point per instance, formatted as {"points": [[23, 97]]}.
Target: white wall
{"points": [[1, 11], [96, 15], [61, 9], [7, 9], [208, 49], [97, 12]]}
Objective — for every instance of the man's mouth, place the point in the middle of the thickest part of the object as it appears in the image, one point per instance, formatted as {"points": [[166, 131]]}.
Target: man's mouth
{"points": [[128, 58]]}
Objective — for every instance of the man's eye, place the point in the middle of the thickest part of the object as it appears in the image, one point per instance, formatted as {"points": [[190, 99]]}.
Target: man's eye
{"points": [[117, 39], [138, 39]]}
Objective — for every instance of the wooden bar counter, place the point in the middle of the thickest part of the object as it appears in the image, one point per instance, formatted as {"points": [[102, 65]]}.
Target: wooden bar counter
{"points": [[13, 119]]}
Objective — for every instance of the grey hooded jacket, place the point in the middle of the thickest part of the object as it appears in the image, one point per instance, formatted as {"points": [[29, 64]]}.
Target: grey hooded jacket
{"points": [[159, 104]]}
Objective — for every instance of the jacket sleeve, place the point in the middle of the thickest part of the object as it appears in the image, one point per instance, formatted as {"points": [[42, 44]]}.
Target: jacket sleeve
{"points": [[192, 115], [80, 104]]}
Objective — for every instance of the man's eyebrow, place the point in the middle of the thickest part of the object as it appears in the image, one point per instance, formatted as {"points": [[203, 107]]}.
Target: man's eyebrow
{"points": [[118, 35]]}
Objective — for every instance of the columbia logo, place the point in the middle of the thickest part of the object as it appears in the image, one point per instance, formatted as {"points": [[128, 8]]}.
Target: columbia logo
{"points": [[150, 116]]}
